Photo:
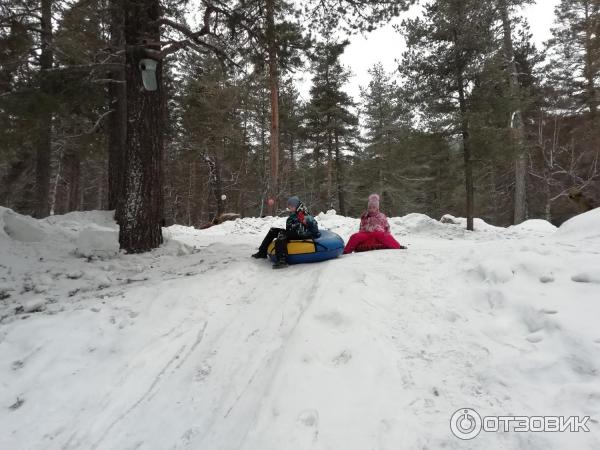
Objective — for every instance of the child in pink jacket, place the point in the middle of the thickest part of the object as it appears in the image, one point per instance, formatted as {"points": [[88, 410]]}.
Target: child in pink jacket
{"points": [[374, 231]]}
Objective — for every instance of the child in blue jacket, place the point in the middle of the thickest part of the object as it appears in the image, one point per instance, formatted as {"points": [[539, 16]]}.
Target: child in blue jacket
{"points": [[299, 225]]}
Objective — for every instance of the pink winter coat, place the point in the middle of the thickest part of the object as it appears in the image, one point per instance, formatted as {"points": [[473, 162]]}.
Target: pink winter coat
{"points": [[377, 222]]}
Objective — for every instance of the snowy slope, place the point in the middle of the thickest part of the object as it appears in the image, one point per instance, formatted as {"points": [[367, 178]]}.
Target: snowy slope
{"points": [[197, 346]]}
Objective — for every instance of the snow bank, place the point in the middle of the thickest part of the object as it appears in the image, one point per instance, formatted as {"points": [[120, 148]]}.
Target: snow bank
{"points": [[21, 228], [478, 224], [373, 350], [77, 219], [97, 241], [539, 225], [583, 226]]}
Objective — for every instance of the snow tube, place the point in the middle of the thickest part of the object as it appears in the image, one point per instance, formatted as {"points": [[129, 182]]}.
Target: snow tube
{"points": [[328, 246]]}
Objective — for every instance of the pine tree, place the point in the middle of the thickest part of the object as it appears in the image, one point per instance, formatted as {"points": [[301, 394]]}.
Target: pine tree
{"points": [[574, 54], [292, 114], [279, 45], [212, 123], [444, 57], [331, 124], [386, 123], [516, 118]]}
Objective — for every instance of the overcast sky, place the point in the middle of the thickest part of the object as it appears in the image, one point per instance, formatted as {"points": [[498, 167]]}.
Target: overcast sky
{"points": [[385, 45]]}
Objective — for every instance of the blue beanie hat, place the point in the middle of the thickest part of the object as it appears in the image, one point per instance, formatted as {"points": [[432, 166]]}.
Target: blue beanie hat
{"points": [[293, 201]]}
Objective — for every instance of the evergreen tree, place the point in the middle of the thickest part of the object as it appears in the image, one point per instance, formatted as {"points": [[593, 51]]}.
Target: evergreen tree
{"points": [[386, 123], [502, 102], [212, 123], [330, 122], [574, 55], [516, 117], [446, 49], [292, 114]]}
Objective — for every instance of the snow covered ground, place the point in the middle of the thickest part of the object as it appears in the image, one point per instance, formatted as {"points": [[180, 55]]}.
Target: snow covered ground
{"points": [[198, 346]]}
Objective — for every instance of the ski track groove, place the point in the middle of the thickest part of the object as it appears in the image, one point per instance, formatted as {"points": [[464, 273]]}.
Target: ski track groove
{"points": [[197, 342], [277, 354], [272, 359], [155, 382]]}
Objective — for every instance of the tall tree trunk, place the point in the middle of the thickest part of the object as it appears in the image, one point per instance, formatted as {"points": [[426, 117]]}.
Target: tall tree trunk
{"points": [[274, 92], [102, 183], [216, 185], [264, 189], [339, 171], [591, 28], [191, 191], [547, 200], [73, 173], [464, 124], [219, 188], [57, 178], [516, 120], [142, 214], [44, 137], [329, 187], [117, 121], [292, 175]]}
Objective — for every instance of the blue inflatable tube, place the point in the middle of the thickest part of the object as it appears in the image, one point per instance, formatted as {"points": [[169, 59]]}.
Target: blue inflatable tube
{"points": [[328, 246]]}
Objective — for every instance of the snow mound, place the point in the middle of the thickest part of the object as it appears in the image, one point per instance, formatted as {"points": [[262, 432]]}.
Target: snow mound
{"points": [[538, 225], [478, 224], [417, 222], [247, 225], [583, 226], [342, 225], [76, 219], [21, 228], [97, 241]]}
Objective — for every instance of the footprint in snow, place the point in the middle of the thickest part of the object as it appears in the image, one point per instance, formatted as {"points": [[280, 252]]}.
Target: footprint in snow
{"points": [[535, 338], [547, 279], [332, 317], [586, 278], [188, 436], [203, 372], [342, 358], [309, 418]]}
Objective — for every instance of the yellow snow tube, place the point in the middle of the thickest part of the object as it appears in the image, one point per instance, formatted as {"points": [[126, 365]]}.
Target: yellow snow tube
{"points": [[295, 247], [327, 246]]}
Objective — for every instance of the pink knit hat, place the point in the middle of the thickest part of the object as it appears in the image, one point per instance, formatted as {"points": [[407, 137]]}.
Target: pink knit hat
{"points": [[374, 200]]}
